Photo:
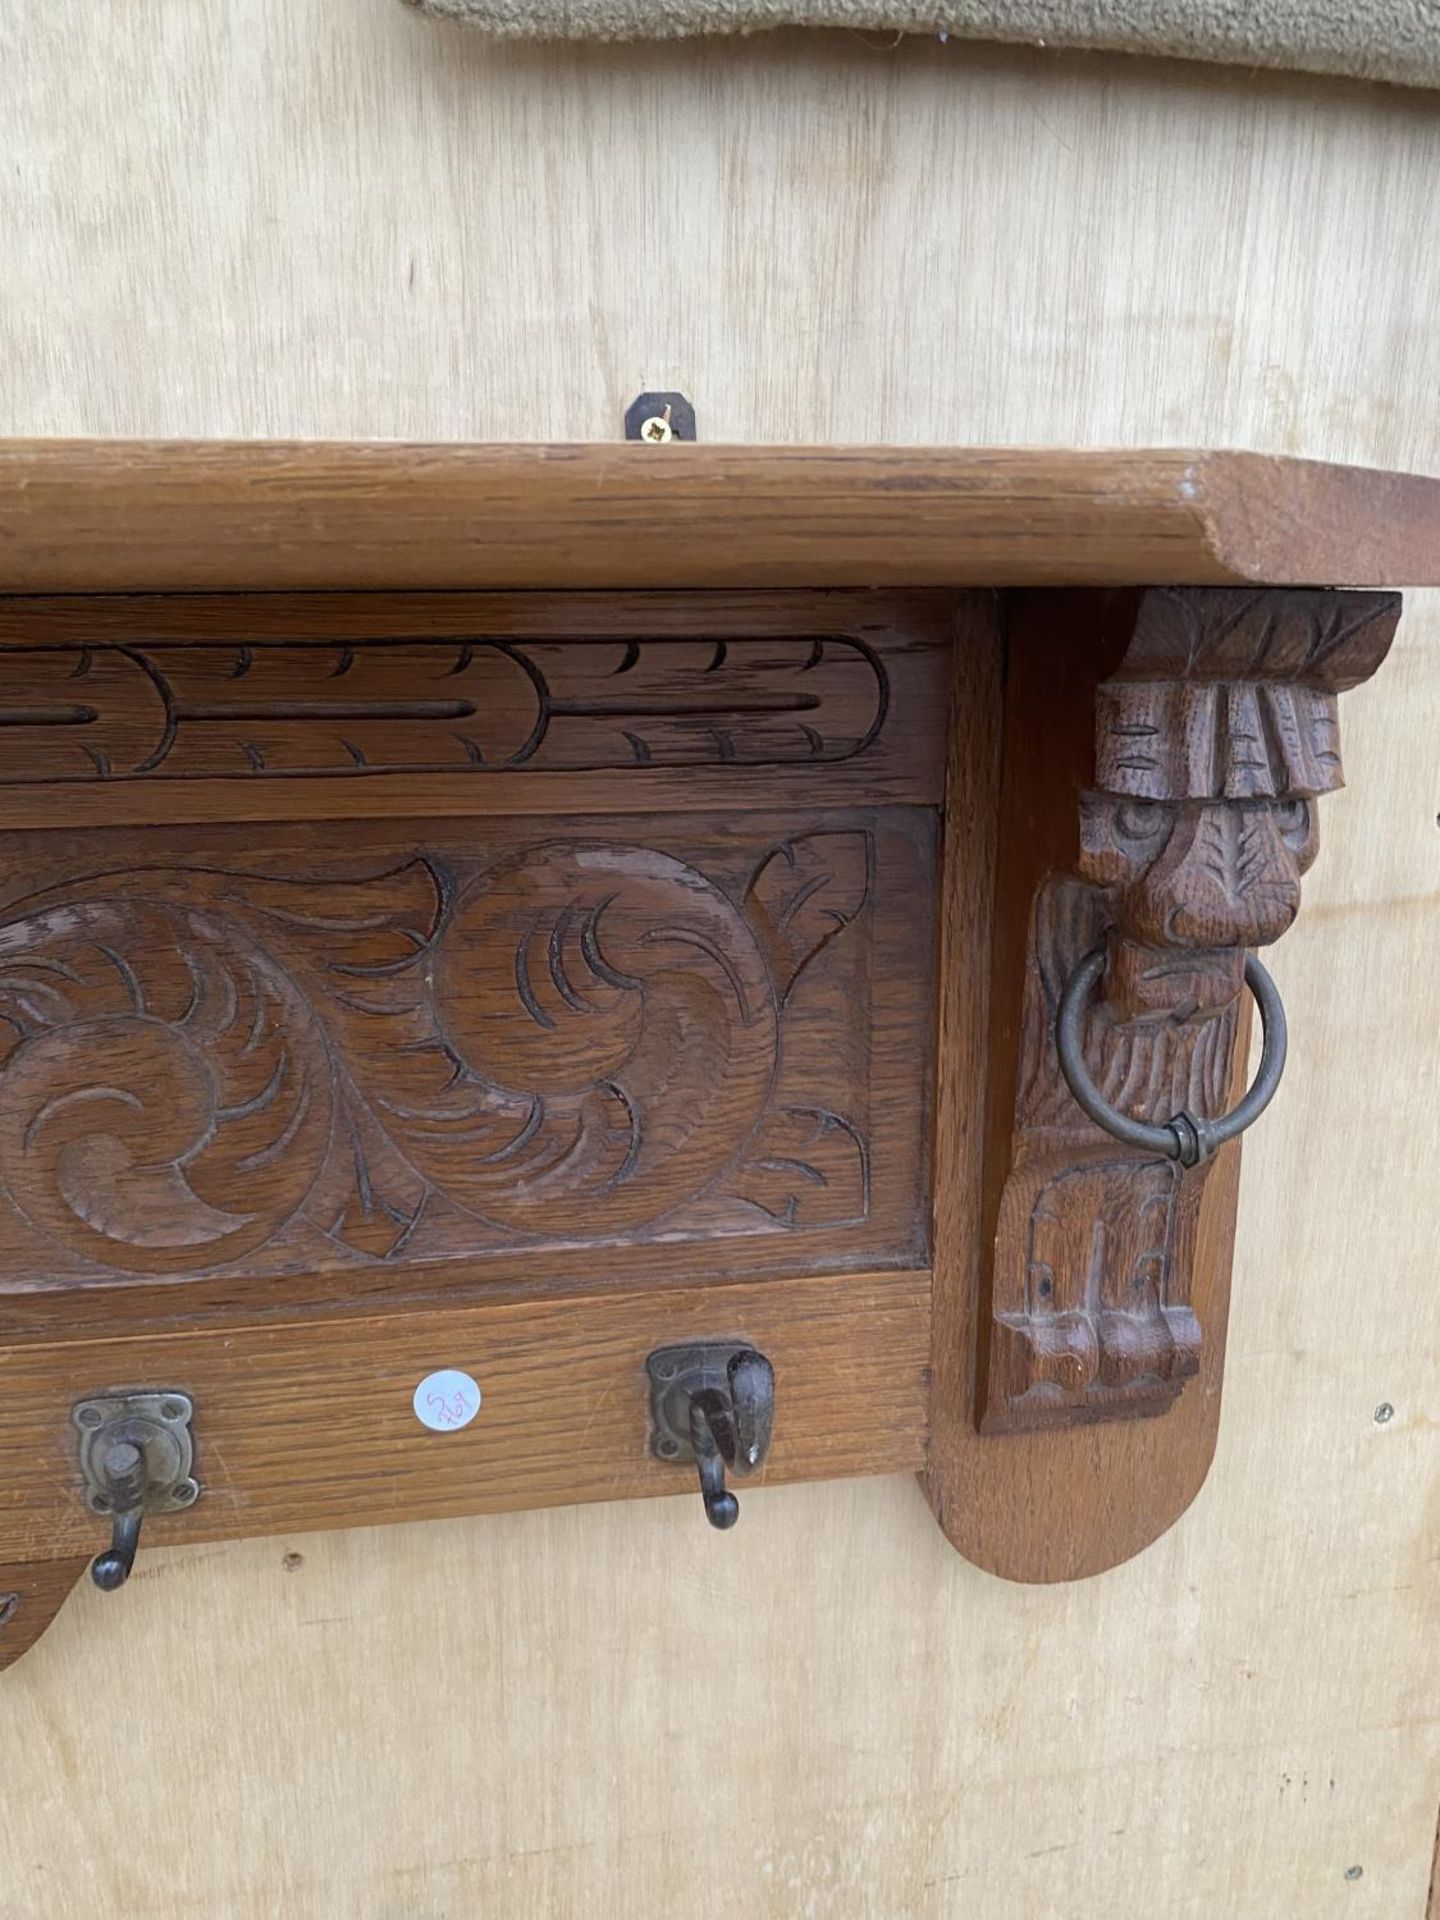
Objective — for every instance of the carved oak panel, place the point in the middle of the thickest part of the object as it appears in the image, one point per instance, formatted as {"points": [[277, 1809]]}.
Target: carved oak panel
{"points": [[319, 1049]]}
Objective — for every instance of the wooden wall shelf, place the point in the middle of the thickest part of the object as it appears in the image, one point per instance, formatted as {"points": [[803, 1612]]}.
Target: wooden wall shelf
{"points": [[496, 913]]}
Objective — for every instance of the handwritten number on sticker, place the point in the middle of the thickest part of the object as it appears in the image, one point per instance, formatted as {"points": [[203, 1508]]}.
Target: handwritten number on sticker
{"points": [[453, 1412], [446, 1400]]}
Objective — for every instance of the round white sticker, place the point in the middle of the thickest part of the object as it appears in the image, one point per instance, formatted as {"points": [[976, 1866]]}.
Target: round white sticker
{"points": [[446, 1400]]}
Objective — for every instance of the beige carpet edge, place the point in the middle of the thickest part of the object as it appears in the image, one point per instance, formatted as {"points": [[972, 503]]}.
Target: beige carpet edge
{"points": [[1390, 40]]}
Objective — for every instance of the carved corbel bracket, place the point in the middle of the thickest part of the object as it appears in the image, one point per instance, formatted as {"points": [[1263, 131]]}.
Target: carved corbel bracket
{"points": [[1215, 733]]}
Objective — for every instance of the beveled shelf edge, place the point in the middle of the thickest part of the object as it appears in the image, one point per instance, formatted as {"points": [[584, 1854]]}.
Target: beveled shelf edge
{"points": [[101, 516]]}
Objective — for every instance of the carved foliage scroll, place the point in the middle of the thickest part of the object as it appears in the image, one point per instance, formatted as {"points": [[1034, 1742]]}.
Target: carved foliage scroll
{"points": [[499, 1039], [1214, 738]]}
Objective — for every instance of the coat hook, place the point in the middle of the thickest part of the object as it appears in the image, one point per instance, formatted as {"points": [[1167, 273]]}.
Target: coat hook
{"points": [[123, 1467], [136, 1456], [713, 1403]]}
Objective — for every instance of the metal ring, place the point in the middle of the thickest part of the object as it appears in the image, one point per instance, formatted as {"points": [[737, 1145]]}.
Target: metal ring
{"points": [[1185, 1137]]}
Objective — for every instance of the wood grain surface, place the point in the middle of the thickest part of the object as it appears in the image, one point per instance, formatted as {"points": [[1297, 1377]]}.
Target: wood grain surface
{"points": [[100, 516], [325, 219]]}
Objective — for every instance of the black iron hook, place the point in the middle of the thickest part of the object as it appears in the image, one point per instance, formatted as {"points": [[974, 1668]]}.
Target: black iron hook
{"points": [[123, 1467], [714, 1403]]}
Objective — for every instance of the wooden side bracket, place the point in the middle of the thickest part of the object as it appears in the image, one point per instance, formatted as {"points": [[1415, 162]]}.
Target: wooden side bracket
{"points": [[32, 1592], [1159, 804]]}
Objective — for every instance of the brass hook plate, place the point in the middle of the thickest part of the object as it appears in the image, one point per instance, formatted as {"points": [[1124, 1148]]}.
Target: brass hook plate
{"points": [[677, 1374], [159, 1425]]}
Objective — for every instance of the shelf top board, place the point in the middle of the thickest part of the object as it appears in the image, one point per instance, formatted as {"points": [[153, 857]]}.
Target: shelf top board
{"points": [[97, 516]]}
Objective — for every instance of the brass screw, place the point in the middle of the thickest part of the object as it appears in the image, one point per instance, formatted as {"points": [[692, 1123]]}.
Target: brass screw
{"points": [[657, 429]]}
